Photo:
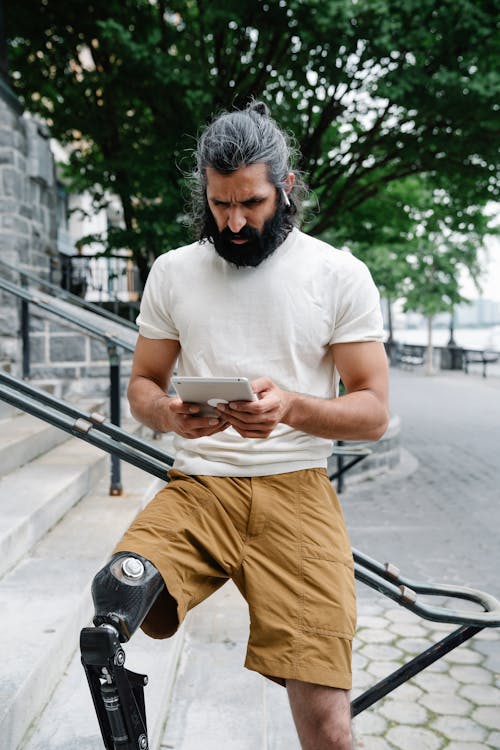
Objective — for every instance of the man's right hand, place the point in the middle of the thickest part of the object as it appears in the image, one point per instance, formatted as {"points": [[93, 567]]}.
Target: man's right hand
{"points": [[154, 361], [184, 419]]}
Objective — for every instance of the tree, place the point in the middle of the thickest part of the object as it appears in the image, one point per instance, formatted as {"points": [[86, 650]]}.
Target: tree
{"points": [[423, 233], [375, 91], [439, 255], [384, 237]]}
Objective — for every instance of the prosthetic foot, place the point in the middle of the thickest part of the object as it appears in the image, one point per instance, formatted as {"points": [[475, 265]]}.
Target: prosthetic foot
{"points": [[123, 591]]}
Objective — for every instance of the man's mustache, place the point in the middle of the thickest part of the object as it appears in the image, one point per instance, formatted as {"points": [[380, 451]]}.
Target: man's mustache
{"points": [[245, 233]]}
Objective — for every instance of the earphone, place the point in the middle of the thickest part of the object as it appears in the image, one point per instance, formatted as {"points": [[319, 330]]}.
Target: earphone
{"points": [[285, 197]]}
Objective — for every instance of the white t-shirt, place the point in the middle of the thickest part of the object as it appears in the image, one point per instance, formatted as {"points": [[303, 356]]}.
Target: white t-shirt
{"points": [[278, 319]]}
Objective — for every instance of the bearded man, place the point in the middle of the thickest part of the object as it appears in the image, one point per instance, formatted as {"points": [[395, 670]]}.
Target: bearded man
{"points": [[249, 497]]}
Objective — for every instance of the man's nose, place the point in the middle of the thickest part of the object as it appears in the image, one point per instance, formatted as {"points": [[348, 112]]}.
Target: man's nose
{"points": [[236, 219]]}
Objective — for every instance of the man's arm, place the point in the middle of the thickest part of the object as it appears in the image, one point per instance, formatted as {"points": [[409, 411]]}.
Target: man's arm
{"points": [[154, 361], [361, 414]]}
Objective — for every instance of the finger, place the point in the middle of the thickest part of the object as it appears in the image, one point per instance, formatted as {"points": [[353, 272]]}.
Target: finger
{"points": [[247, 410], [250, 407], [221, 429], [189, 409], [200, 426], [254, 433], [182, 407], [203, 421], [259, 430], [267, 403], [256, 421], [188, 423], [261, 384], [198, 433]]}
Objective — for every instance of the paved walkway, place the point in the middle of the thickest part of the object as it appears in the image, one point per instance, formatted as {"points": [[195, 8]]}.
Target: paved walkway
{"points": [[437, 517]]}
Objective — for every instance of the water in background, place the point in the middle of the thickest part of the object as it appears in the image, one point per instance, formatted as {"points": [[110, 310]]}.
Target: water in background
{"points": [[467, 338]]}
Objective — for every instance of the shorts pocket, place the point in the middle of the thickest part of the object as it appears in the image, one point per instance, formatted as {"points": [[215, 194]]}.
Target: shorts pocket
{"points": [[329, 595]]}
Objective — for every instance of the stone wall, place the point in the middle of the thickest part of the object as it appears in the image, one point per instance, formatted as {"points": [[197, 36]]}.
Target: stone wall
{"points": [[62, 359], [71, 364], [28, 199]]}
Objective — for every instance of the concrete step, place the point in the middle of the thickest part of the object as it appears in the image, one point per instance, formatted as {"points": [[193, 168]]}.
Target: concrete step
{"points": [[23, 438], [34, 497], [7, 410], [36, 494], [45, 601]]}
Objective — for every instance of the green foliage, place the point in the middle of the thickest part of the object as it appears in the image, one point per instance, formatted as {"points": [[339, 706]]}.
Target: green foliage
{"points": [[426, 243], [382, 97], [432, 281]]}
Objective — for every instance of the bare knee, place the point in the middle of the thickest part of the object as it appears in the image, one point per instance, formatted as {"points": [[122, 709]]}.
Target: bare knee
{"points": [[322, 716], [329, 734], [338, 737]]}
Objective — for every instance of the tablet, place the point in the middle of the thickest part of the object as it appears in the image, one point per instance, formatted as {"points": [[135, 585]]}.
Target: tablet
{"points": [[212, 391]]}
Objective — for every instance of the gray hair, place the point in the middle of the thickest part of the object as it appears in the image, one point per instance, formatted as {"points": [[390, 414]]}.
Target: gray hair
{"points": [[238, 139]]}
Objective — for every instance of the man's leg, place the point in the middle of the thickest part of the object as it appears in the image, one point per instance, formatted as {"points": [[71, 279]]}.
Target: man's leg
{"points": [[322, 716]]}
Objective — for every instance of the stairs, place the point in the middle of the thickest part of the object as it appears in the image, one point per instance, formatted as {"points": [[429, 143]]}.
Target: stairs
{"points": [[58, 525]]}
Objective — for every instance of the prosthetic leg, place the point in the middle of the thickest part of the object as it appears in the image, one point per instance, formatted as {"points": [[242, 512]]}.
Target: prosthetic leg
{"points": [[123, 592]]}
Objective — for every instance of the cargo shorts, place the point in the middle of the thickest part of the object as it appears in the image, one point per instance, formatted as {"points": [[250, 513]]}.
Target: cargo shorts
{"points": [[282, 540]]}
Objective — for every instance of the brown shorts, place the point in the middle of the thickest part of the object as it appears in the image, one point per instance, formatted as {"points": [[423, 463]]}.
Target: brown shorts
{"points": [[283, 542]]}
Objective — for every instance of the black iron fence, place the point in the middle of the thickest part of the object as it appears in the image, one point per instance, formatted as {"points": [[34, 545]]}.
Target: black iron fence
{"points": [[104, 280], [26, 278]]}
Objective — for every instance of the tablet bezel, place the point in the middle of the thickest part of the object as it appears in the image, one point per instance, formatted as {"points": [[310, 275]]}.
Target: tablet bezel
{"points": [[200, 390]]}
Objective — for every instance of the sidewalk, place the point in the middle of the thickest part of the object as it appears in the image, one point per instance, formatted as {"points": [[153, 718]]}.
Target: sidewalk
{"points": [[437, 518]]}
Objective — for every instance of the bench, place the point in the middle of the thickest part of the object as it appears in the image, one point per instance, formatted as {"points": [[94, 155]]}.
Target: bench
{"points": [[477, 356], [409, 355]]}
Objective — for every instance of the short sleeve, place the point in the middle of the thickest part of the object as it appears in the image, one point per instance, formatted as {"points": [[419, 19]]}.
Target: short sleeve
{"points": [[358, 314], [154, 319]]}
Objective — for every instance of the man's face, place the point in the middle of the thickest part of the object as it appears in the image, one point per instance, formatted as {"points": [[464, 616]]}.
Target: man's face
{"points": [[248, 220]]}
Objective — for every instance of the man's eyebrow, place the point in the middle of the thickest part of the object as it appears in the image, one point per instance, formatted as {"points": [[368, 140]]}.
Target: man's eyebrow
{"points": [[251, 199]]}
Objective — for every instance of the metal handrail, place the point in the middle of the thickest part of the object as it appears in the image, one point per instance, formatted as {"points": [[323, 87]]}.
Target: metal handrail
{"points": [[91, 432], [383, 578], [66, 296], [388, 580], [36, 399], [113, 343], [98, 333]]}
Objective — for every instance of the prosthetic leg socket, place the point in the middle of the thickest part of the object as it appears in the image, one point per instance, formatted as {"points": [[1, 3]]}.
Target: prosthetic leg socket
{"points": [[124, 591]]}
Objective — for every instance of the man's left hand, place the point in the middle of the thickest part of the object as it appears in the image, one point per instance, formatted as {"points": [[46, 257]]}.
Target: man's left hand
{"points": [[257, 419]]}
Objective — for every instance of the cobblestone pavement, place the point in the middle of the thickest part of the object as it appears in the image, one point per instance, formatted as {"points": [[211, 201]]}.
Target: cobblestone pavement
{"points": [[437, 517], [453, 704]]}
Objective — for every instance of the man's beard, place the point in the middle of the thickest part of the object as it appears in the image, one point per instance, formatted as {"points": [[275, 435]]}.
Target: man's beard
{"points": [[259, 245]]}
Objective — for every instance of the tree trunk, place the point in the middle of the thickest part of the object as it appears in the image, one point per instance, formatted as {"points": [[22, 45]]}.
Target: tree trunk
{"points": [[389, 320], [143, 266], [139, 256], [430, 350]]}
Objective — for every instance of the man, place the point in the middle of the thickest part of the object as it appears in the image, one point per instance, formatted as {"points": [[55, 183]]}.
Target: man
{"points": [[249, 497]]}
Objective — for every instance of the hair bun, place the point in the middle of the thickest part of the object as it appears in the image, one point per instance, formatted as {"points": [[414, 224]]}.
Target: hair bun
{"points": [[260, 108]]}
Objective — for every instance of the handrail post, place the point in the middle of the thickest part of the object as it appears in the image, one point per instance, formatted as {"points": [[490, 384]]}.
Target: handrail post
{"points": [[114, 403], [340, 466], [25, 330], [25, 337]]}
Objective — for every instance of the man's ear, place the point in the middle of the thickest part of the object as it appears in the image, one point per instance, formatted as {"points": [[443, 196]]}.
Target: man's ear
{"points": [[289, 182]]}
